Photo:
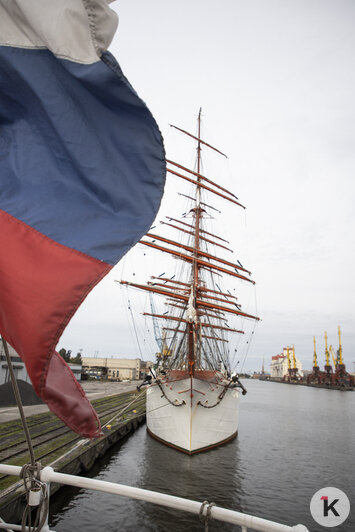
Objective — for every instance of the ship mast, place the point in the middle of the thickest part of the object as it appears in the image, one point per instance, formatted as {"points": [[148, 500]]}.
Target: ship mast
{"points": [[192, 316], [199, 311]]}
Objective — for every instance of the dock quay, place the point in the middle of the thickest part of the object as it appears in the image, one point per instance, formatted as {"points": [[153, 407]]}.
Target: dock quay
{"points": [[312, 384], [121, 409]]}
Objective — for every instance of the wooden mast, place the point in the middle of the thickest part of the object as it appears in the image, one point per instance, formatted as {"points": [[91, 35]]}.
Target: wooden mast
{"points": [[192, 327], [193, 300]]}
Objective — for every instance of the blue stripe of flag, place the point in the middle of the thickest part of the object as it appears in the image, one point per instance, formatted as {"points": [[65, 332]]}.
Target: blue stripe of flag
{"points": [[81, 157]]}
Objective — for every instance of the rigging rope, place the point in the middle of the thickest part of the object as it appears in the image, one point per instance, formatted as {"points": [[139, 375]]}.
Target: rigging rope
{"points": [[208, 516], [36, 491], [248, 346], [19, 402], [36, 496], [135, 330], [157, 408], [124, 409]]}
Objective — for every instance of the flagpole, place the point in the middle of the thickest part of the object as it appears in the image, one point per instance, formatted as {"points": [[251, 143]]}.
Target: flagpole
{"points": [[18, 401]]}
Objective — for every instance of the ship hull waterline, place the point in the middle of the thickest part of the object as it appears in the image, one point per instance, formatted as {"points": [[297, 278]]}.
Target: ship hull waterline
{"points": [[191, 414]]}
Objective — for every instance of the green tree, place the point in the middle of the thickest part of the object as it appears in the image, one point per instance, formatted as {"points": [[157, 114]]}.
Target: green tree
{"points": [[77, 359], [65, 354]]}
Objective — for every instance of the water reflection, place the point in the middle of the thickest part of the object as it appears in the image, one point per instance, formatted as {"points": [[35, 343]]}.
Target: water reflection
{"points": [[215, 476], [292, 441]]}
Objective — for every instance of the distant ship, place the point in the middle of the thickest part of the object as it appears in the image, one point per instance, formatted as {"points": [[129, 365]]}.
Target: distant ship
{"points": [[193, 397]]}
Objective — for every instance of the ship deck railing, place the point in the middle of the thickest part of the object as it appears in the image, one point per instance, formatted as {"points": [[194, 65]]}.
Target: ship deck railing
{"points": [[204, 509]]}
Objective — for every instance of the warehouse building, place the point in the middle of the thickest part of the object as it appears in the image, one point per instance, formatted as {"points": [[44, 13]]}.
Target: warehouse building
{"points": [[116, 368]]}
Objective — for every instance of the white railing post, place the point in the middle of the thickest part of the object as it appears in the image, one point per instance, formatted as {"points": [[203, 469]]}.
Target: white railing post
{"points": [[45, 508]]}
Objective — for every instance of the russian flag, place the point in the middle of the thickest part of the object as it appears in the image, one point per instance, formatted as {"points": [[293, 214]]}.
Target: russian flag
{"points": [[82, 172]]}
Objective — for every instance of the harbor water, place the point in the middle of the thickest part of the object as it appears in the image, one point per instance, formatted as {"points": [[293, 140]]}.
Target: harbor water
{"points": [[292, 441]]}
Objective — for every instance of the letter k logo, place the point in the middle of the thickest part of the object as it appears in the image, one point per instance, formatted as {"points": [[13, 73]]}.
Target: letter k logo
{"points": [[327, 507], [330, 507]]}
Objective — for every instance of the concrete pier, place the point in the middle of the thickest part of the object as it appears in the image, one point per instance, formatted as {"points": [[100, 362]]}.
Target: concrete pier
{"points": [[121, 410]]}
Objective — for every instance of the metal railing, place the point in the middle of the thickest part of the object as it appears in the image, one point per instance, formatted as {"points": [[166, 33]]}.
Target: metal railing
{"points": [[204, 509]]}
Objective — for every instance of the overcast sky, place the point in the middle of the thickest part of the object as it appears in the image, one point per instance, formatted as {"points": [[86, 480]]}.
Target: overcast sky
{"points": [[276, 83]]}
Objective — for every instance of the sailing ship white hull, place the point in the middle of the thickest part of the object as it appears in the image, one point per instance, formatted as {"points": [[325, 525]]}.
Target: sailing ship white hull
{"points": [[191, 405], [192, 414]]}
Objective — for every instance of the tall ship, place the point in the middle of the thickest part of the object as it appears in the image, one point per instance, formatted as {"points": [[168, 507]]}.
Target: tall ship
{"points": [[193, 395]]}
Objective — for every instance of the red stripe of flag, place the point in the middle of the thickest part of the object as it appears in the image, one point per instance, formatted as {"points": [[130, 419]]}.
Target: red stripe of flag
{"points": [[42, 283]]}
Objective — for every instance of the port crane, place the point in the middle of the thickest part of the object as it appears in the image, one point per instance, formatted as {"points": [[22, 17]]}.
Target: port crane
{"points": [[328, 370], [334, 358], [292, 375], [337, 378], [341, 376], [295, 374], [288, 376], [315, 376]]}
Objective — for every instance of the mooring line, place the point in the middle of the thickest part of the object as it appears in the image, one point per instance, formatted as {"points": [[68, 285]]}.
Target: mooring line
{"points": [[121, 412]]}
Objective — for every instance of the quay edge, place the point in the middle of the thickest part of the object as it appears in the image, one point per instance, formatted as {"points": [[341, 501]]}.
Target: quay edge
{"points": [[312, 385], [79, 458]]}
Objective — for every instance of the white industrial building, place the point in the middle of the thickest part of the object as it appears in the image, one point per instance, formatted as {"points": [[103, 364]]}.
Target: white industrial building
{"points": [[279, 364]]}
